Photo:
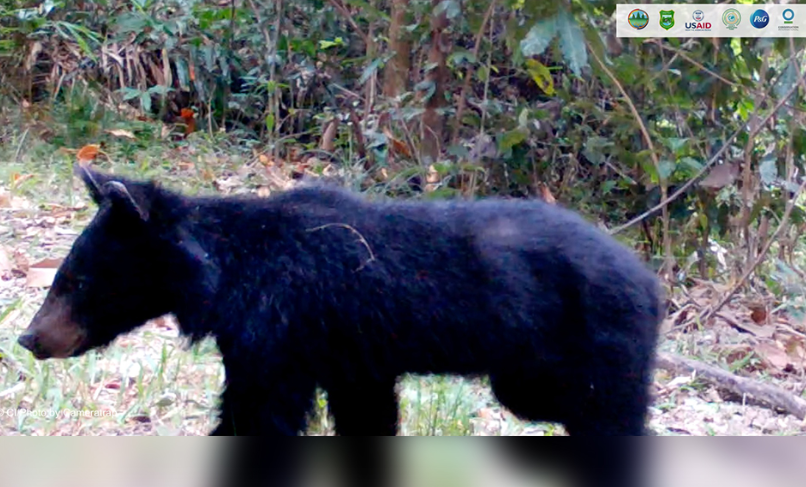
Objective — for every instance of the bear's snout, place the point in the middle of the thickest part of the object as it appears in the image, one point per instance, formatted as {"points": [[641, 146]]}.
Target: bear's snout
{"points": [[52, 333], [28, 341]]}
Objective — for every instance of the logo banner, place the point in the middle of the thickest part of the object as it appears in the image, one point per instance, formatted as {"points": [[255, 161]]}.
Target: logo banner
{"points": [[710, 20]]}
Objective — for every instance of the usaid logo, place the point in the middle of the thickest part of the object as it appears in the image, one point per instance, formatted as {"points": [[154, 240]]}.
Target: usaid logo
{"points": [[699, 24], [759, 19]]}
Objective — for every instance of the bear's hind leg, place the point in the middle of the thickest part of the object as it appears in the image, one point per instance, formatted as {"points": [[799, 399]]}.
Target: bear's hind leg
{"points": [[364, 407]]}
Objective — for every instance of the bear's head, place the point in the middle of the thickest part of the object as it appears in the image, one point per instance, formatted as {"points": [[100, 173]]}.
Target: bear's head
{"points": [[126, 267]]}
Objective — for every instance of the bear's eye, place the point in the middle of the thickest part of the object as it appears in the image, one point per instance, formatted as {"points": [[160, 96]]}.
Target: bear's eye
{"points": [[72, 284]]}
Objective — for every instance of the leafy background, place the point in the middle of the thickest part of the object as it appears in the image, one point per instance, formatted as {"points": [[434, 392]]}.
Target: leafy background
{"points": [[424, 99]]}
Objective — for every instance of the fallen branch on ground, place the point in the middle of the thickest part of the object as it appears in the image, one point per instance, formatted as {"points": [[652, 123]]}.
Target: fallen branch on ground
{"points": [[767, 395]]}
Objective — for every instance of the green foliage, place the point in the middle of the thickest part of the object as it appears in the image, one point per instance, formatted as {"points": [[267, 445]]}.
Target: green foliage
{"points": [[537, 108]]}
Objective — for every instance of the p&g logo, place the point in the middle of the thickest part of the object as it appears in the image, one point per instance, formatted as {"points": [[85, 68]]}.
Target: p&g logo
{"points": [[759, 19]]}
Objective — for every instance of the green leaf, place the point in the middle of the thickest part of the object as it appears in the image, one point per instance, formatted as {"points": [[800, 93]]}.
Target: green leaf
{"points": [[459, 151], [450, 7], [130, 93], [325, 44], [368, 10], [594, 149], [785, 83], [608, 186], [768, 169], [675, 143], [541, 75], [572, 42], [80, 35], [483, 73], [510, 139], [426, 85], [270, 122], [183, 74], [691, 163], [145, 101], [159, 90], [460, 56], [665, 168], [523, 118], [538, 38], [370, 70]]}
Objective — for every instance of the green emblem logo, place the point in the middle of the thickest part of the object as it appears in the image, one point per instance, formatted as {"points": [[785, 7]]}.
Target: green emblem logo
{"points": [[638, 19], [667, 19], [731, 18]]}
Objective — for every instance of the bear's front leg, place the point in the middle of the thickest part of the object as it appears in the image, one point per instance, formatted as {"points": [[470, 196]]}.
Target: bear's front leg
{"points": [[275, 407]]}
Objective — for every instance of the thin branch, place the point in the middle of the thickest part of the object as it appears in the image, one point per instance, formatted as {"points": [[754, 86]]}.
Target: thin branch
{"points": [[667, 238], [349, 18], [460, 109], [766, 394], [707, 165], [708, 313], [716, 75]]}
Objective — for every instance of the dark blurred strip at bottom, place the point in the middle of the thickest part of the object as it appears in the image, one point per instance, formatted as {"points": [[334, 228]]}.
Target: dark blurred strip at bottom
{"points": [[609, 462]]}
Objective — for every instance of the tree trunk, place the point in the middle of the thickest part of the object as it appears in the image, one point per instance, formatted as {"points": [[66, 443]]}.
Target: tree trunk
{"points": [[396, 73], [433, 123]]}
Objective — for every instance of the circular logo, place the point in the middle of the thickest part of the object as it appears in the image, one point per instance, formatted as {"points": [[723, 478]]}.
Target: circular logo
{"points": [[698, 15], [731, 18], [638, 19], [759, 19], [788, 16]]}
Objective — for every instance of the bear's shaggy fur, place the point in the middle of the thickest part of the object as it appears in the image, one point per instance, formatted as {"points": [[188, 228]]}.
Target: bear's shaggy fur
{"points": [[318, 286]]}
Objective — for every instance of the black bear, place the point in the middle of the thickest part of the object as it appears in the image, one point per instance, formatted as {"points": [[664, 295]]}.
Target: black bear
{"points": [[319, 286]]}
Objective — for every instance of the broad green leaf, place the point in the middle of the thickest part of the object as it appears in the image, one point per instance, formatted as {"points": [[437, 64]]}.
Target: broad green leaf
{"points": [[596, 43], [459, 151], [608, 186], [183, 73], [325, 44], [130, 93], [510, 139], [370, 70], [594, 149], [159, 90], [769, 169], [145, 102], [691, 163], [427, 86], [572, 42], [523, 118], [675, 143], [451, 8], [541, 75], [785, 83], [461, 55], [665, 168], [482, 73], [539, 37]]}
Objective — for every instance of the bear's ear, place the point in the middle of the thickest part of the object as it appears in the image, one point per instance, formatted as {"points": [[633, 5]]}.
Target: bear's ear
{"points": [[121, 199], [92, 180], [117, 190]]}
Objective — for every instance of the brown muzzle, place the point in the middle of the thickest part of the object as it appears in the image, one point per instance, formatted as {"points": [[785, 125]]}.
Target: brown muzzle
{"points": [[52, 333]]}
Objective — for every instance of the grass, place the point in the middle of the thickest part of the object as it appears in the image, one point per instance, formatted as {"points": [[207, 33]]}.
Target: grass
{"points": [[149, 381]]}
